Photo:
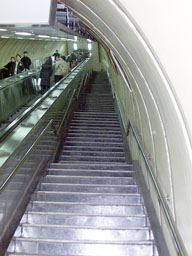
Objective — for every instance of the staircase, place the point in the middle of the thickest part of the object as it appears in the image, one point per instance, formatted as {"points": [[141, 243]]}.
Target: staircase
{"points": [[89, 203]]}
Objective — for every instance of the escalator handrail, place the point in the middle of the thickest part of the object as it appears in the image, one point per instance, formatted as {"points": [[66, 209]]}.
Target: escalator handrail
{"points": [[5, 132], [24, 158], [177, 239]]}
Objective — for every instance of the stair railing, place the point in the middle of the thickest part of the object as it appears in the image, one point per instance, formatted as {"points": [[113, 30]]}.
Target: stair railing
{"points": [[177, 239], [66, 112], [75, 95], [174, 231]]}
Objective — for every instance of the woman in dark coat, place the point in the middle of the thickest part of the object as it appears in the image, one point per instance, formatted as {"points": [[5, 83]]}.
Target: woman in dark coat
{"points": [[45, 75]]}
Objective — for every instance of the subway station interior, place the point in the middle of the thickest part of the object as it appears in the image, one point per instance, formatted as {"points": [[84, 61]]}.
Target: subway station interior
{"points": [[99, 163]]}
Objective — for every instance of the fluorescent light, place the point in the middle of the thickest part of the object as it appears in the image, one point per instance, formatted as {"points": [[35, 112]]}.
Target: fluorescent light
{"points": [[75, 46], [43, 36], [5, 36], [89, 40], [54, 37], [89, 46], [19, 38], [3, 29], [75, 37], [23, 33]]}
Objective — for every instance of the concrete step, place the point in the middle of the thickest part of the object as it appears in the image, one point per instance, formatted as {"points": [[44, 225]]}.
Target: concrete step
{"points": [[94, 131], [70, 233], [98, 114], [87, 197], [80, 248], [92, 149], [85, 180], [96, 159], [82, 172], [96, 124], [90, 166], [92, 139], [86, 220], [92, 153], [87, 208], [94, 144], [93, 188]]}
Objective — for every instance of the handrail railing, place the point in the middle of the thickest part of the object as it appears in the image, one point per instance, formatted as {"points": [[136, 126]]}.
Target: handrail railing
{"points": [[4, 133], [66, 112], [83, 82], [177, 239], [178, 242], [24, 158]]}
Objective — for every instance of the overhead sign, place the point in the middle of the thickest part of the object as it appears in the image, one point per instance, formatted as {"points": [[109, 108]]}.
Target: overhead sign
{"points": [[28, 12]]}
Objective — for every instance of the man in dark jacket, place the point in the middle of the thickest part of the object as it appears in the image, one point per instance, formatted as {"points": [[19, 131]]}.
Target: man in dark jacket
{"points": [[18, 66], [56, 55], [8, 67], [26, 61]]}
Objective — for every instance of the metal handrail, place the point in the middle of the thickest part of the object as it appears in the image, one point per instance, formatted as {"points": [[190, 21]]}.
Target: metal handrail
{"points": [[83, 82], [66, 112], [178, 242], [4, 133], [26, 155]]}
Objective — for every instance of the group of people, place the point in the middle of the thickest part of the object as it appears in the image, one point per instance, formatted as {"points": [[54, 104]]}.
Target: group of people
{"points": [[61, 69], [62, 66], [17, 64]]}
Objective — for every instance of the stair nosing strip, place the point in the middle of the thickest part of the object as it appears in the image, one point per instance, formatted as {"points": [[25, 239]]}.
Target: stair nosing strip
{"points": [[86, 214], [84, 170], [87, 193], [87, 227], [87, 177], [86, 203], [128, 242], [99, 164], [90, 185]]}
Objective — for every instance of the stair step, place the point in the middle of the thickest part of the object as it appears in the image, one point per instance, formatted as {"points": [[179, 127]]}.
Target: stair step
{"points": [[89, 188], [89, 180], [87, 197], [92, 159], [81, 172], [94, 125], [93, 134], [90, 139], [67, 233], [95, 121], [90, 166], [93, 153], [83, 130], [94, 144], [93, 149], [99, 114], [91, 208], [79, 248], [86, 220]]}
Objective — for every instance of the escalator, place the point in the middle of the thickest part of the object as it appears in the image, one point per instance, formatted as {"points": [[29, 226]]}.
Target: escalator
{"points": [[89, 202]]}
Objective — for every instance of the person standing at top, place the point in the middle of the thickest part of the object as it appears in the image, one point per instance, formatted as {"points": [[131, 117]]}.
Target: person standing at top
{"points": [[73, 60], [17, 67], [8, 67], [26, 61], [61, 69], [45, 75], [56, 55]]}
